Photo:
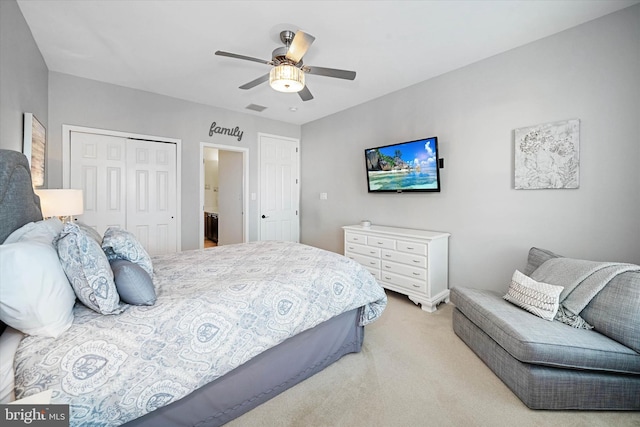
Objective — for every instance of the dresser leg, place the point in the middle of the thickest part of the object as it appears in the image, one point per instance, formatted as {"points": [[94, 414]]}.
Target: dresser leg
{"points": [[426, 306]]}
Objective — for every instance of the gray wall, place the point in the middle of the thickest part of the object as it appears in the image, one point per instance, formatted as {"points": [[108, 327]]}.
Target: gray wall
{"points": [[83, 102], [591, 72], [23, 79]]}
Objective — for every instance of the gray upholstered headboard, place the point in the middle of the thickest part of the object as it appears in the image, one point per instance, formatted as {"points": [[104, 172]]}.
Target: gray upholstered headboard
{"points": [[19, 205]]}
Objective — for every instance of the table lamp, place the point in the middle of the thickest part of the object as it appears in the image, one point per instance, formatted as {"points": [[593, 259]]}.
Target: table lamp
{"points": [[63, 203]]}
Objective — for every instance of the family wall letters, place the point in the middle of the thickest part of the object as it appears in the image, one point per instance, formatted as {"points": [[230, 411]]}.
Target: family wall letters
{"points": [[225, 131]]}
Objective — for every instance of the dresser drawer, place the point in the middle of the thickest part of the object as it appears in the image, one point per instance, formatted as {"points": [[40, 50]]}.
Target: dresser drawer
{"points": [[412, 248], [409, 259], [356, 238], [365, 261], [374, 272], [362, 250], [403, 281], [416, 273], [381, 242]]}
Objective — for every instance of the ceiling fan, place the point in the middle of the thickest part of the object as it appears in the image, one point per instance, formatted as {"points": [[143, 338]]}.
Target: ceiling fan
{"points": [[288, 72]]}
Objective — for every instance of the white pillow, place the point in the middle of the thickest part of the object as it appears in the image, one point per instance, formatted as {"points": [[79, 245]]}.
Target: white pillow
{"points": [[43, 231], [541, 299], [37, 298], [9, 342]]}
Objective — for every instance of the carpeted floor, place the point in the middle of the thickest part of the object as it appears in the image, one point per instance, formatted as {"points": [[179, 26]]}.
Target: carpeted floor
{"points": [[413, 371]]}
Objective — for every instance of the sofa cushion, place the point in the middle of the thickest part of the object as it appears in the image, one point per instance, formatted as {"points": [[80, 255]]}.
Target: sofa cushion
{"points": [[536, 258], [533, 340], [545, 387], [615, 311]]}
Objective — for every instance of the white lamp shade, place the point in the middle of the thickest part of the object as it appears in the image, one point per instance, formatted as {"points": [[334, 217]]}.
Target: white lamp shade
{"points": [[286, 78], [60, 202]]}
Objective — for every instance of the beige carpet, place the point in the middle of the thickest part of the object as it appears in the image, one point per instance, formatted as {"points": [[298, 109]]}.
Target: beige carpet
{"points": [[413, 371]]}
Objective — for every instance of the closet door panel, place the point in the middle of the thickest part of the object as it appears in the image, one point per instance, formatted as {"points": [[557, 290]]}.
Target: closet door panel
{"points": [[98, 167], [151, 194]]}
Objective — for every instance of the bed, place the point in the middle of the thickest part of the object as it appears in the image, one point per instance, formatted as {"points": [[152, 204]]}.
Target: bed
{"points": [[230, 328]]}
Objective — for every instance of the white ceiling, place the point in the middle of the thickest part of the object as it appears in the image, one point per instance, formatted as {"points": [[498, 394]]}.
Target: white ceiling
{"points": [[167, 47]]}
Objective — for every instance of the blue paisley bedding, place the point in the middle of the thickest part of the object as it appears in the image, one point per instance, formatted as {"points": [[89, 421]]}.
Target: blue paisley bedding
{"points": [[216, 309]]}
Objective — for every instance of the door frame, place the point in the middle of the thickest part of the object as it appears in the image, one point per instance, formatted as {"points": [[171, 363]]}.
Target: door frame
{"points": [[245, 188], [66, 159]]}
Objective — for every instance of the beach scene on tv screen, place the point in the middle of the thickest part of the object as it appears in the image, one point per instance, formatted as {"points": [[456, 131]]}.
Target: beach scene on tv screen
{"points": [[406, 166]]}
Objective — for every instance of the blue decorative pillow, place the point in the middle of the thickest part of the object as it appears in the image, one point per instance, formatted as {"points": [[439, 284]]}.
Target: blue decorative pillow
{"points": [[118, 243], [133, 283], [88, 270]]}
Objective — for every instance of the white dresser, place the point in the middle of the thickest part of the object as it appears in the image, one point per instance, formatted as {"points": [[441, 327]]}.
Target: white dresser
{"points": [[411, 262]]}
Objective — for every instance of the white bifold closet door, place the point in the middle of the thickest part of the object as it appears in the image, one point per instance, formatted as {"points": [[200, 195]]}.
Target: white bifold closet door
{"points": [[127, 183]]}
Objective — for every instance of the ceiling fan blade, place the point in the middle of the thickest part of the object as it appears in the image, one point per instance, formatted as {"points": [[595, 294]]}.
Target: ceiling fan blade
{"points": [[330, 72], [256, 82], [299, 46], [246, 58], [305, 94]]}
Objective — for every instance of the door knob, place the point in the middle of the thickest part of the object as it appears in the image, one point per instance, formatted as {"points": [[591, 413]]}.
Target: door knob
{"points": [[264, 216]]}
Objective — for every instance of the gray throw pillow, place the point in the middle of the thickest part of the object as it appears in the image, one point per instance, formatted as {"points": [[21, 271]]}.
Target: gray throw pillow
{"points": [[133, 283]]}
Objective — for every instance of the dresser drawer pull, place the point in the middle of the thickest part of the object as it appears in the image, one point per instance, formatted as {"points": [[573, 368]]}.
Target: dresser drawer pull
{"points": [[351, 247], [410, 248], [380, 243], [387, 278], [372, 252], [388, 256], [388, 266], [416, 286], [416, 261], [416, 274]]}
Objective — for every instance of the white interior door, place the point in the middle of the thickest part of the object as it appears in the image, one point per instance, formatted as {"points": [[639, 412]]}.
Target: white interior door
{"points": [[99, 167], [230, 198], [279, 188], [151, 194], [127, 183]]}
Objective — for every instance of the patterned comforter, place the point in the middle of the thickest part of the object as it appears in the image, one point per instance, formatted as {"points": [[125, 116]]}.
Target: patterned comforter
{"points": [[216, 309]]}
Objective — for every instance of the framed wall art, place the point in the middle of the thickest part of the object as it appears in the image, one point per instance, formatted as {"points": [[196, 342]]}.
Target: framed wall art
{"points": [[547, 156], [34, 147]]}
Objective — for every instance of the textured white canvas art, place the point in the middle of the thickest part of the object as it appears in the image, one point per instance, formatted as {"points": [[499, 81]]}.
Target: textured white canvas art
{"points": [[548, 156]]}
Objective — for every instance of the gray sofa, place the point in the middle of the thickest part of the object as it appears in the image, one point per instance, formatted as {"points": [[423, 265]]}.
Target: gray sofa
{"points": [[550, 365]]}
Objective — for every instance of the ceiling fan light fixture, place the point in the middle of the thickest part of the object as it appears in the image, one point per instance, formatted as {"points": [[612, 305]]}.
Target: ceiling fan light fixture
{"points": [[286, 78]]}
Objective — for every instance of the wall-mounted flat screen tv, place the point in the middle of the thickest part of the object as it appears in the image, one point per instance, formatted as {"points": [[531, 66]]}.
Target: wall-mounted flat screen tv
{"points": [[404, 167]]}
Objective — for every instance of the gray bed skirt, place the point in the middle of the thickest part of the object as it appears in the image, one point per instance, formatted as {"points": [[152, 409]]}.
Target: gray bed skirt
{"points": [[263, 377]]}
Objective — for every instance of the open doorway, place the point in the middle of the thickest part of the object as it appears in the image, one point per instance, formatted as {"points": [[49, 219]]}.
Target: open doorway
{"points": [[223, 195]]}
